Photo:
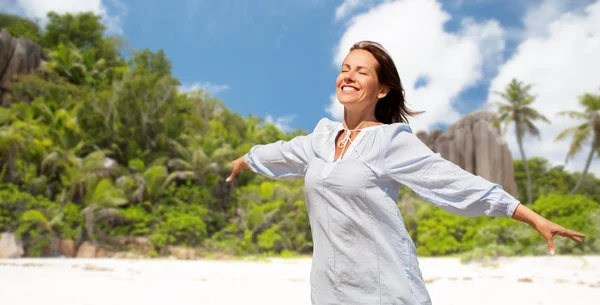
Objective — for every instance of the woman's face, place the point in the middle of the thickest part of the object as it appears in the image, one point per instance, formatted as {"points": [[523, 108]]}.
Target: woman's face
{"points": [[357, 81]]}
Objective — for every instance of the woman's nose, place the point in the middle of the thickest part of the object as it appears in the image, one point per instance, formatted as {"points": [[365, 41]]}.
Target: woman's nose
{"points": [[349, 77]]}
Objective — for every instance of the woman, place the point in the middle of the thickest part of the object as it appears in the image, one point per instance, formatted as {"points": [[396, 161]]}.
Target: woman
{"points": [[353, 170]]}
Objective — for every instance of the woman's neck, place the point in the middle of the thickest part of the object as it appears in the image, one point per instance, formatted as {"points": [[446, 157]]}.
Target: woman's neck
{"points": [[357, 120]]}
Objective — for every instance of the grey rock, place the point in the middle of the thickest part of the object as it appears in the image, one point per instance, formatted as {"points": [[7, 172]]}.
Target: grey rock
{"points": [[10, 246], [474, 144], [17, 56]]}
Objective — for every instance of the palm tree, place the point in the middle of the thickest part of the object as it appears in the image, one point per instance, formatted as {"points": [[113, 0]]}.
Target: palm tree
{"points": [[518, 110], [101, 204], [146, 183], [48, 224], [192, 163], [590, 128], [67, 61]]}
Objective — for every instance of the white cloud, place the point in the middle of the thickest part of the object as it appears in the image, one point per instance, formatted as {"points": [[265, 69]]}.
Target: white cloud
{"points": [[283, 123], [211, 88], [38, 9], [348, 6], [538, 17], [335, 109], [561, 59], [413, 32]]}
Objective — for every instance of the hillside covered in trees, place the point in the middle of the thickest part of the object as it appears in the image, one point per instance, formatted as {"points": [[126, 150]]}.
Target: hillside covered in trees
{"points": [[99, 149]]}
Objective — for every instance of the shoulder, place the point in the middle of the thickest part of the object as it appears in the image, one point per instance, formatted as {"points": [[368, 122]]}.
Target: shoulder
{"points": [[396, 132], [400, 139], [325, 126]]}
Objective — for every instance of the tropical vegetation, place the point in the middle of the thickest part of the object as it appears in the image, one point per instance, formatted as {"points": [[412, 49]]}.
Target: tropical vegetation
{"points": [[97, 147]]}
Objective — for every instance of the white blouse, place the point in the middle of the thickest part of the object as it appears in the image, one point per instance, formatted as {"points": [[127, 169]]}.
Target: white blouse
{"points": [[362, 253]]}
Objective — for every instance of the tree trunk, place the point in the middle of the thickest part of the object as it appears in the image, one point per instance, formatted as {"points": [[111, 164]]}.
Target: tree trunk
{"points": [[520, 142], [54, 245], [586, 168]]}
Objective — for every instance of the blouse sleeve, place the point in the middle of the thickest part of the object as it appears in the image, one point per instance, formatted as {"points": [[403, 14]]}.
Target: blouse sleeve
{"points": [[441, 182], [282, 160]]}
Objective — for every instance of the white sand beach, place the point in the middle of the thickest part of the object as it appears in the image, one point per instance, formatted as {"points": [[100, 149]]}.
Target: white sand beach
{"points": [[556, 280]]}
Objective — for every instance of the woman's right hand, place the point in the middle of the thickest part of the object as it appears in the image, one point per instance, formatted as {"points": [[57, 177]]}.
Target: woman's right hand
{"points": [[238, 165]]}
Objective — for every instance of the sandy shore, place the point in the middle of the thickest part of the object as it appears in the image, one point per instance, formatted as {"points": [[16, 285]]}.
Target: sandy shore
{"points": [[554, 280]]}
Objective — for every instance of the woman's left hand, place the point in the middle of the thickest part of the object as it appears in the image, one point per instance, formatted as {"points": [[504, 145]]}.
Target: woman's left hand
{"points": [[545, 227], [548, 230]]}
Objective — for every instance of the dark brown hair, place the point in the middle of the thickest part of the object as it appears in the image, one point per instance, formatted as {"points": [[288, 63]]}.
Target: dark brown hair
{"points": [[392, 108]]}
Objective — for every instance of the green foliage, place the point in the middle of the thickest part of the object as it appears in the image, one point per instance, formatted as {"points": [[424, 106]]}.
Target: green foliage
{"points": [[97, 149], [156, 63], [55, 91], [72, 224], [32, 218], [80, 51], [267, 240], [547, 179], [503, 236], [14, 203], [20, 27], [439, 232], [181, 227], [83, 30], [271, 217], [576, 212], [487, 252]]}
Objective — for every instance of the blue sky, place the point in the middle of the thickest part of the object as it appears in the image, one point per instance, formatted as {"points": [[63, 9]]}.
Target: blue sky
{"points": [[275, 57], [279, 58]]}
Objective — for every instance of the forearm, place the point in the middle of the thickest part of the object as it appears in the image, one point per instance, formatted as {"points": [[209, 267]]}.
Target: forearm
{"points": [[526, 215]]}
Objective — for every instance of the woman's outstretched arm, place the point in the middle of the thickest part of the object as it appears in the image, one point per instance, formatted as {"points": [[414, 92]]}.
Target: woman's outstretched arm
{"points": [[446, 185]]}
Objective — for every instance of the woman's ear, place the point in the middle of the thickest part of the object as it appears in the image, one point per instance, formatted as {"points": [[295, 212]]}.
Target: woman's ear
{"points": [[383, 91]]}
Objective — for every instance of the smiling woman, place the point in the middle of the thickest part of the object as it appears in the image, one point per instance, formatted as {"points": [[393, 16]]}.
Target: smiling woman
{"points": [[370, 68], [353, 171]]}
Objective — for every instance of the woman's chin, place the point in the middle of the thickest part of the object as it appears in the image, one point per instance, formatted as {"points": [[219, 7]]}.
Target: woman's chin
{"points": [[347, 101]]}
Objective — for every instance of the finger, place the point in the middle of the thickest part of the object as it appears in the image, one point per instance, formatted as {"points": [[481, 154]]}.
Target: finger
{"points": [[232, 175], [570, 234], [550, 245], [230, 178], [576, 239], [577, 234]]}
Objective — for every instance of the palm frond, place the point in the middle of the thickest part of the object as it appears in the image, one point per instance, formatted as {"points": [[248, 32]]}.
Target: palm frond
{"points": [[180, 150], [579, 138], [160, 161], [179, 164], [136, 165], [110, 214], [179, 175], [36, 216], [573, 114], [590, 102], [568, 131], [56, 220]]}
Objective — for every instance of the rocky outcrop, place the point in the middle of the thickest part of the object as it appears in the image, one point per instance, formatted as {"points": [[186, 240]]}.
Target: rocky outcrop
{"points": [[86, 250], [67, 248], [10, 246], [182, 253], [475, 145], [17, 56]]}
